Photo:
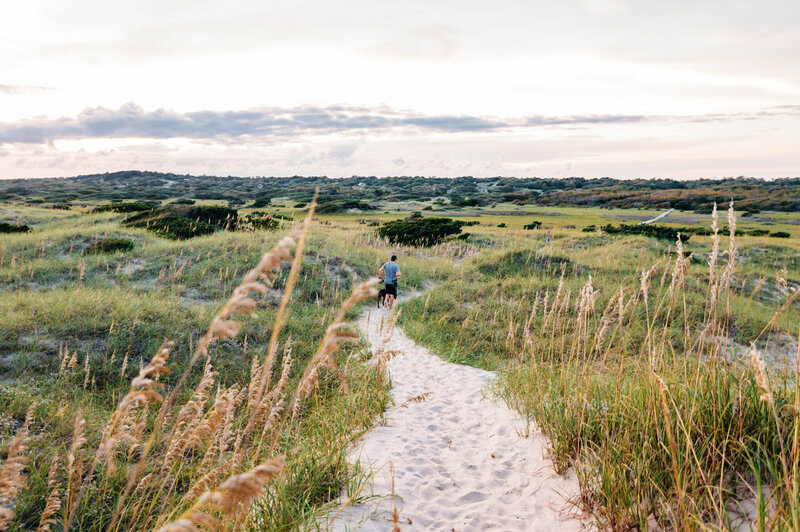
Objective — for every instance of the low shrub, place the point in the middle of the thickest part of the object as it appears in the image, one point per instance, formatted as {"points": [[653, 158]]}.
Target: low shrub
{"points": [[130, 206], [259, 221], [533, 225], [655, 231], [589, 229], [109, 245], [420, 231], [217, 215], [780, 234], [168, 224], [13, 228], [334, 207]]}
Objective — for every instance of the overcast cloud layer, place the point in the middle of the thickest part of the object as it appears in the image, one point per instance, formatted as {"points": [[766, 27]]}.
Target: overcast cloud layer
{"points": [[630, 88]]}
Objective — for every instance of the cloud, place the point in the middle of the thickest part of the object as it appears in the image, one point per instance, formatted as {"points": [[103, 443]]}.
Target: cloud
{"points": [[277, 123], [20, 89]]}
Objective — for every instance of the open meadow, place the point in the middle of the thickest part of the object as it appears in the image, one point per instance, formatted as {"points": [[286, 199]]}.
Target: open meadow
{"points": [[138, 372]]}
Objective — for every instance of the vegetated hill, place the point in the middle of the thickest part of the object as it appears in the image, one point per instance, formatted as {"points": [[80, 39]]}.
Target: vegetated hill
{"points": [[749, 193]]}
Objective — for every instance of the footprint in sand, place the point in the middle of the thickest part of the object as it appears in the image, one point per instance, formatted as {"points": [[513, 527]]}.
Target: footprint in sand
{"points": [[442, 449]]}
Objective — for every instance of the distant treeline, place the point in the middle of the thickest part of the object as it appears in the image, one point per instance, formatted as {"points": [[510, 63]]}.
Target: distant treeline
{"points": [[750, 194]]}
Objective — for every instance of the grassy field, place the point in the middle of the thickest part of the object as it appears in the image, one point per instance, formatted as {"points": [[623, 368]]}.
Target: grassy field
{"points": [[644, 384]]}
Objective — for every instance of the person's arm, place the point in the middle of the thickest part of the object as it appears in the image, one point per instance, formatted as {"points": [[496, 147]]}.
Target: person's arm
{"points": [[398, 272], [380, 272]]}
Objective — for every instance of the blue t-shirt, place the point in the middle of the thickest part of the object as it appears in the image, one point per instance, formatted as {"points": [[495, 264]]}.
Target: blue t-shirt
{"points": [[390, 270]]}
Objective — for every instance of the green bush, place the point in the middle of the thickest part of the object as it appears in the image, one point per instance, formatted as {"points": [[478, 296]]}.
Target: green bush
{"points": [[533, 225], [169, 224], [589, 229], [109, 245], [334, 207], [780, 234], [758, 232], [655, 231], [260, 221], [420, 231], [212, 214], [130, 206], [182, 201], [13, 228]]}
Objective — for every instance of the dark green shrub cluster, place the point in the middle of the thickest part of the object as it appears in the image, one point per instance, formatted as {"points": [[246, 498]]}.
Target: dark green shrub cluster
{"points": [[259, 221], [333, 207], [13, 228], [420, 231], [169, 224], [182, 201], [129, 206], [217, 215], [589, 229], [61, 206], [780, 234], [466, 202], [655, 231], [109, 245], [533, 225]]}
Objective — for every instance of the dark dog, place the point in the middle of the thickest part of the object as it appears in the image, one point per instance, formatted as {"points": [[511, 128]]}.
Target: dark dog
{"points": [[382, 297]]}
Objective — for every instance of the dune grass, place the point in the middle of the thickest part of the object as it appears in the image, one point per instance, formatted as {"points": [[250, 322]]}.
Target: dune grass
{"points": [[633, 357]]}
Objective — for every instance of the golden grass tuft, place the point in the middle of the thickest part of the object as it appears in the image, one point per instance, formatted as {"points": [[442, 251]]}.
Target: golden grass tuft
{"points": [[12, 477], [231, 499]]}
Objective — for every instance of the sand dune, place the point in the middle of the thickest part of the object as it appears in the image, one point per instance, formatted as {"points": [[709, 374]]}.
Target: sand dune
{"points": [[460, 457]]}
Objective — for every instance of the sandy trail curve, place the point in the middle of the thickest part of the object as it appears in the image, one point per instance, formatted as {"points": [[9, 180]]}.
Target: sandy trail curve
{"points": [[459, 458]]}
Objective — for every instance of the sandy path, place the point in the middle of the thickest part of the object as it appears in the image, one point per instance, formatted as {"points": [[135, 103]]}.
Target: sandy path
{"points": [[657, 218], [460, 462]]}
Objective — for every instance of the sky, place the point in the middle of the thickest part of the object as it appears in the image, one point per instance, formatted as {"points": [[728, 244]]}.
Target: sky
{"points": [[548, 88]]}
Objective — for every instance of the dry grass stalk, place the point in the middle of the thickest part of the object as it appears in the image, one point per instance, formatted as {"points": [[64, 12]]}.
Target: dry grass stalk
{"points": [[416, 399], [189, 417], [144, 389], [232, 499], [679, 269], [266, 410], [644, 285], [12, 477], [74, 466], [712, 260], [727, 274], [213, 421], [53, 502], [337, 333]]}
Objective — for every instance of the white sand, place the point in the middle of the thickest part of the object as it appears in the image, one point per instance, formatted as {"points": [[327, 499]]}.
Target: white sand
{"points": [[460, 460]]}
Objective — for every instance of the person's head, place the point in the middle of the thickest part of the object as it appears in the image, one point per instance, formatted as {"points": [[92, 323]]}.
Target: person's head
{"points": [[394, 258]]}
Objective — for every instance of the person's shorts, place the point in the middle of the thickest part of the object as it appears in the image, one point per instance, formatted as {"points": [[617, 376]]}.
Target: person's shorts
{"points": [[391, 290]]}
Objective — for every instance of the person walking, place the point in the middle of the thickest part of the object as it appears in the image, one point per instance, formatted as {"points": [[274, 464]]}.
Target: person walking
{"points": [[390, 271]]}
